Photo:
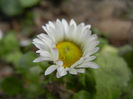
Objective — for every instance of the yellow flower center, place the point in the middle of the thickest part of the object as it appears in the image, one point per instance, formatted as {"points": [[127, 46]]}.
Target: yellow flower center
{"points": [[69, 53]]}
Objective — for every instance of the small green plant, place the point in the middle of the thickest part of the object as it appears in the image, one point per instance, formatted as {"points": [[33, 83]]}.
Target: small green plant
{"points": [[16, 7]]}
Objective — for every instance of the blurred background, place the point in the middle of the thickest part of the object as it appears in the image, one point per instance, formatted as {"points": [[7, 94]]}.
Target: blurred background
{"points": [[21, 21]]}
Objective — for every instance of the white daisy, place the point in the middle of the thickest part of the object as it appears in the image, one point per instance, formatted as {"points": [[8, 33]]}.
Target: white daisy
{"points": [[69, 46]]}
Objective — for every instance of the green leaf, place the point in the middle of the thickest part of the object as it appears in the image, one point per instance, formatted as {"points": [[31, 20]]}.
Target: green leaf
{"points": [[70, 81], [125, 49], [109, 49], [9, 45], [13, 57], [82, 95], [87, 81], [36, 70], [11, 7], [32, 85], [129, 58], [103, 42], [11, 85], [29, 3], [128, 91], [26, 62], [10, 42], [98, 32], [111, 76]]}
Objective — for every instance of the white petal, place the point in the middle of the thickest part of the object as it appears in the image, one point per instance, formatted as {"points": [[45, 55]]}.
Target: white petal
{"points": [[42, 59], [51, 24], [70, 35], [93, 51], [40, 44], [80, 70], [87, 58], [78, 62], [91, 39], [55, 53], [50, 69], [45, 38], [88, 65], [78, 33], [92, 44], [43, 53], [49, 31], [90, 52], [90, 58], [87, 27], [72, 22], [73, 71], [65, 24], [59, 31], [57, 75], [59, 62], [61, 71]]}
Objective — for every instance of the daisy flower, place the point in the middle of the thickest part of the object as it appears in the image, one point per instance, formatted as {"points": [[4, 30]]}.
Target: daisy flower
{"points": [[69, 46]]}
